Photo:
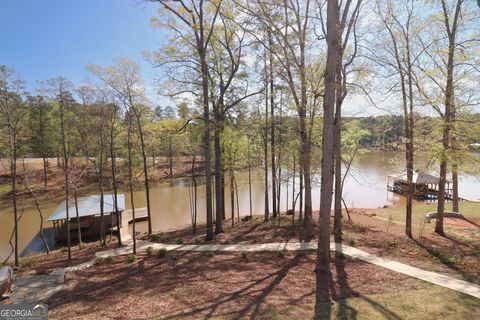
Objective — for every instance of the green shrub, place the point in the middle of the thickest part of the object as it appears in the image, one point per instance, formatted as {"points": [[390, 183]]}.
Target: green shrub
{"points": [[158, 237], [243, 254], [351, 241], [109, 259], [389, 222], [162, 252], [423, 222], [131, 258], [281, 254], [445, 258], [98, 261], [149, 250], [209, 254], [198, 240], [179, 241]]}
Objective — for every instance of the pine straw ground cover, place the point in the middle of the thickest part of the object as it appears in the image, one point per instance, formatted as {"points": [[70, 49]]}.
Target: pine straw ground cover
{"points": [[45, 263], [260, 285], [457, 254]]}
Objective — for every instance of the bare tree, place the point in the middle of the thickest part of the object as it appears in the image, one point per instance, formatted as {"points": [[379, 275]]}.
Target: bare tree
{"points": [[288, 24], [12, 113], [125, 80], [198, 18], [60, 90], [322, 266], [398, 57], [451, 20]]}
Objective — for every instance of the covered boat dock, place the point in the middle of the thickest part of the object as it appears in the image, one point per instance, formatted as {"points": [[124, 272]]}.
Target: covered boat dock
{"points": [[89, 216], [425, 186]]}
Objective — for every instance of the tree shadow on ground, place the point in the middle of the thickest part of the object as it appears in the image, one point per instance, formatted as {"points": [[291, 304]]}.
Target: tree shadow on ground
{"points": [[472, 222], [346, 311], [251, 296], [446, 258]]}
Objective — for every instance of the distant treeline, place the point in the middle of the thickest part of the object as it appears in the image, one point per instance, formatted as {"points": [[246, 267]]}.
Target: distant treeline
{"points": [[387, 131]]}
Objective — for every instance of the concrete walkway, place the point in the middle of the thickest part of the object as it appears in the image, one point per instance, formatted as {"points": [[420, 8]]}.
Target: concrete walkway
{"points": [[35, 289]]}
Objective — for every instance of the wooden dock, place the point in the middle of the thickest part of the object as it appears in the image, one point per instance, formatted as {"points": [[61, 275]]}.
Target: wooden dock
{"points": [[127, 219], [425, 194]]}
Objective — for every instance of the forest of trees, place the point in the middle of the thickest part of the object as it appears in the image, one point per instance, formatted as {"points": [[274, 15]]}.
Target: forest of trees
{"points": [[261, 84]]}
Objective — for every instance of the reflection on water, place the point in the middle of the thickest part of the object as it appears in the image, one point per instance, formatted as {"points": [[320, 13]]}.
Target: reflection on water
{"points": [[365, 187]]}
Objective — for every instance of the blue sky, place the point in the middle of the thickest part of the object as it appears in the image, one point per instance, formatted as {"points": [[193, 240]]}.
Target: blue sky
{"points": [[42, 39]]}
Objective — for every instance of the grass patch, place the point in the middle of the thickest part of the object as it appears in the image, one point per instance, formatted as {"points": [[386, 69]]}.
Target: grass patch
{"points": [[26, 263], [468, 209], [431, 303]]}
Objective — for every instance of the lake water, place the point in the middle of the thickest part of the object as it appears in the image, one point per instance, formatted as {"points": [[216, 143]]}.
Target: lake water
{"points": [[365, 187]]}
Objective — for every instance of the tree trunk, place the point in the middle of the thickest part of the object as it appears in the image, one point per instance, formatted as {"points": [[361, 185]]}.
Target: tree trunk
{"points": [[79, 229], [218, 178], [236, 197], [293, 186], [222, 194], [410, 144], [130, 182], [45, 166], [232, 198], [206, 121], [145, 169], [322, 267], [114, 178], [194, 205], [455, 199], [449, 94], [288, 187], [455, 202], [279, 184], [272, 131], [250, 181], [65, 174], [37, 204], [337, 150], [170, 156], [265, 149], [13, 179], [300, 211]]}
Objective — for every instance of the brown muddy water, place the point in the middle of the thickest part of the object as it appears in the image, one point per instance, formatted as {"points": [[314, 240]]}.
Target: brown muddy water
{"points": [[365, 187]]}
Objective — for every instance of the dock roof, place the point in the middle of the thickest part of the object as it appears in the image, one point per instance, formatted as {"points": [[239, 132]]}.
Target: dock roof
{"points": [[88, 206], [419, 178]]}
